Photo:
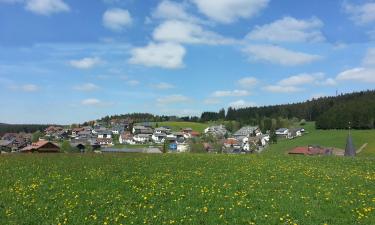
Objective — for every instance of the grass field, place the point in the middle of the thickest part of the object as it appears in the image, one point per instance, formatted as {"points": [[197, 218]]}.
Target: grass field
{"points": [[177, 126], [328, 138], [186, 189]]}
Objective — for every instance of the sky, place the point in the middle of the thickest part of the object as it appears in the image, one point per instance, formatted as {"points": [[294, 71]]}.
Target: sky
{"points": [[68, 61]]}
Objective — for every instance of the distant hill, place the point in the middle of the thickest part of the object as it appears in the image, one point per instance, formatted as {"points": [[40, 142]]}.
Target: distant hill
{"points": [[330, 112]]}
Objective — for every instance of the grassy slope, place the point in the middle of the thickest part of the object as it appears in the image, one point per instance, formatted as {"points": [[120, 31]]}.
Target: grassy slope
{"points": [[177, 126], [328, 138], [186, 189]]}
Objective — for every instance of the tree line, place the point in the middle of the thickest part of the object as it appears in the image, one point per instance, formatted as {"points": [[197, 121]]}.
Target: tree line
{"points": [[334, 112]]}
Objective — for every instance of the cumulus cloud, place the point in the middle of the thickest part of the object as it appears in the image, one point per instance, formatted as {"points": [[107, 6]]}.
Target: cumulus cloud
{"points": [[172, 99], [212, 101], [361, 14], [289, 29], [247, 82], [164, 55], [228, 11], [86, 87], [282, 89], [241, 104], [132, 82], [163, 86], [234, 93], [360, 74], [170, 10], [369, 59], [279, 55], [85, 63], [117, 19], [187, 32], [42, 7], [91, 102], [301, 79]]}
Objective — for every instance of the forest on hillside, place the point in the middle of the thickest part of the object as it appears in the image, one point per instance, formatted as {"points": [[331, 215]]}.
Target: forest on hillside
{"points": [[335, 112]]}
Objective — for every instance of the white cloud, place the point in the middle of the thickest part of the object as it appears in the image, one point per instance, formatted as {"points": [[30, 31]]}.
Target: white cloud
{"points": [[247, 82], [369, 59], [328, 82], [289, 29], [117, 19], [172, 10], [172, 99], [278, 55], [85, 63], [24, 88], [228, 11], [241, 104], [301, 79], [165, 55], [91, 101], [46, 7], [282, 89], [234, 93], [133, 82], [186, 32], [163, 86], [361, 14], [211, 101], [86, 87], [360, 74]]}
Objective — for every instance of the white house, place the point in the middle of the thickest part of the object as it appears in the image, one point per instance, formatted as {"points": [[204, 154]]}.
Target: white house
{"points": [[158, 137], [141, 138], [104, 134], [282, 132], [126, 139]]}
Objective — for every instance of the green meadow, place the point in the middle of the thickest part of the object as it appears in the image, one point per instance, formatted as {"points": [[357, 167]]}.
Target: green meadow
{"points": [[267, 188], [186, 189]]}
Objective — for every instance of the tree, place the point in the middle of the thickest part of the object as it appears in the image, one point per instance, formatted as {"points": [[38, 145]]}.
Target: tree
{"points": [[66, 147], [36, 135], [88, 148], [273, 136]]}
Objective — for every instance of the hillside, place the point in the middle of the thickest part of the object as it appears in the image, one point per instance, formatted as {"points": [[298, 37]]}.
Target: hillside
{"points": [[327, 138], [177, 126]]}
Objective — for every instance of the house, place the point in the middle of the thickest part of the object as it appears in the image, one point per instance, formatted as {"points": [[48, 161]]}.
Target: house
{"points": [[89, 141], [126, 138], [56, 132], [218, 131], [75, 131], [85, 134], [41, 147], [246, 132], [294, 132], [6, 145], [282, 132], [162, 130], [104, 141], [117, 130], [158, 137], [187, 130], [105, 134], [16, 141], [141, 138], [142, 130], [232, 143], [98, 129]]}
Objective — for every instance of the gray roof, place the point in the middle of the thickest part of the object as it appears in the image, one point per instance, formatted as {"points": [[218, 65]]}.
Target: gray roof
{"points": [[245, 131]]}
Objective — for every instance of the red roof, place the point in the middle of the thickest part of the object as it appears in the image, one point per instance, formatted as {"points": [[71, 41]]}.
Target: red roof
{"points": [[231, 141], [38, 145], [308, 150]]}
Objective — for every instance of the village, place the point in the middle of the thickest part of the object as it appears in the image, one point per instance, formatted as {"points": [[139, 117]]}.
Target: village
{"points": [[126, 136]]}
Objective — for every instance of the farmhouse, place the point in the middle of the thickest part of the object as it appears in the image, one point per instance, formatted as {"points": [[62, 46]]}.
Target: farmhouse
{"points": [[141, 138], [142, 130], [282, 132], [246, 132], [218, 131], [126, 138], [41, 147]]}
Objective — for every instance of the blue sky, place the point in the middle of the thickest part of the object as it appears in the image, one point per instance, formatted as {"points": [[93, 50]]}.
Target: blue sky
{"points": [[65, 61]]}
